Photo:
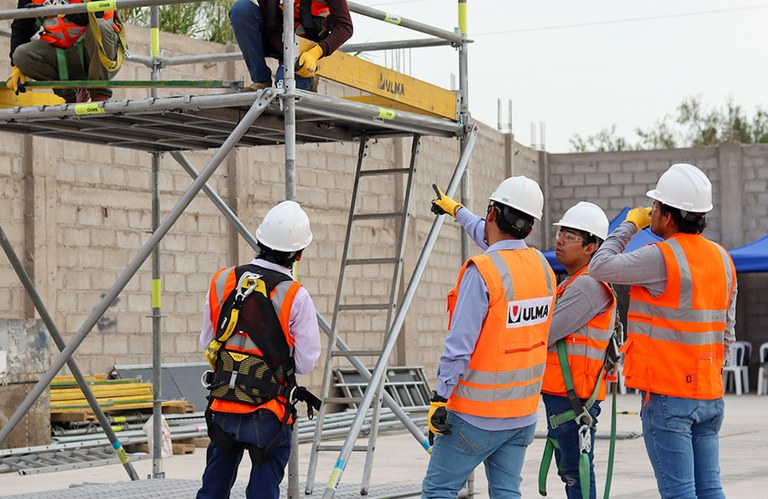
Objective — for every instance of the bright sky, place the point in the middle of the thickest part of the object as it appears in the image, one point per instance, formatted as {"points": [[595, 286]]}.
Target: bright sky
{"points": [[580, 66]]}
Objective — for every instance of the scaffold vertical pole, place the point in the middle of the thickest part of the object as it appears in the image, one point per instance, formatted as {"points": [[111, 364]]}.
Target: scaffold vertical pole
{"points": [[157, 357], [289, 117]]}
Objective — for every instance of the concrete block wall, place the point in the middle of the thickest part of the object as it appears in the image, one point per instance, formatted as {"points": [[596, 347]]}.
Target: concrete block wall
{"points": [[89, 212]]}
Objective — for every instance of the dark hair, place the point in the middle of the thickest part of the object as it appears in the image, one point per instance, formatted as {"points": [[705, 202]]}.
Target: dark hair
{"points": [[687, 221], [282, 258], [511, 221]]}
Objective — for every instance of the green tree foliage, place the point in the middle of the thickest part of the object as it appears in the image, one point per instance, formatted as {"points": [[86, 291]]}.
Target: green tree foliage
{"points": [[691, 125], [202, 20]]}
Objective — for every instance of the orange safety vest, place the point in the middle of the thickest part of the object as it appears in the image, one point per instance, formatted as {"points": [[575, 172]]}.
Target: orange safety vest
{"points": [[503, 379], [318, 9], [675, 341], [61, 32], [282, 297], [586, 351]]}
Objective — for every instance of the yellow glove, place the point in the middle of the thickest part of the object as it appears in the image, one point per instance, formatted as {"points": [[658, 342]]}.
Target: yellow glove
{"points": [[640, 217], [16, 81], [308, 62], [437, 416], [443, 204]]}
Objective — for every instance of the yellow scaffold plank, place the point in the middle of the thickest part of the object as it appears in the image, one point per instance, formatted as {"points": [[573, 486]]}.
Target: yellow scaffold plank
{"points": [[380, 81], [9, 99]]}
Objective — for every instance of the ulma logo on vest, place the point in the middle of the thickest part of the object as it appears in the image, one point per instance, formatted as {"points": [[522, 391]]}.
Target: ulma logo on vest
{"points": [[522, 313]]}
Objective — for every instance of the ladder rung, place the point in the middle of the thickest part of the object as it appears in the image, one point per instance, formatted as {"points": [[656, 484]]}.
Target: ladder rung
{"points": [[337, 448], [365, 306], [343, 400], [378, 216], [371, 261], [384, 171], [356, 353]]}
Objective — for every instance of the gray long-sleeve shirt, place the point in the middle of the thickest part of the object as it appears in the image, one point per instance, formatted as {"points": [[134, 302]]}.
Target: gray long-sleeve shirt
{"points": [[643, 267]]}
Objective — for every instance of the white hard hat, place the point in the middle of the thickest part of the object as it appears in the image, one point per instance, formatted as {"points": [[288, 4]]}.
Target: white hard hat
{"points": [[587, 217], [685, 187], [520, 193], [285, 228]]}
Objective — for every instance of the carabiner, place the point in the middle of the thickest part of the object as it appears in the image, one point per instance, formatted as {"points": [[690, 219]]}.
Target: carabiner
{"points": [[585, 440]]}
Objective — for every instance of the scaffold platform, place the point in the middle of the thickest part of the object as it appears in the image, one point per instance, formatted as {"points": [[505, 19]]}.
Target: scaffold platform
{"points": [[194, 122]]}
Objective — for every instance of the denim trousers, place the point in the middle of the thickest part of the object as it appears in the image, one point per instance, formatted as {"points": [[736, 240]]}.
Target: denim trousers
{"points": [[567, 436], [455, 456], [682, 443], [255, 429], [245, 17]]}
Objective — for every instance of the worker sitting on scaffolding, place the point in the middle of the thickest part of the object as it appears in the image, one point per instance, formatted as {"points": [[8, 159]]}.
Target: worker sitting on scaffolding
{"points": [[87, 46], [259, 32]]}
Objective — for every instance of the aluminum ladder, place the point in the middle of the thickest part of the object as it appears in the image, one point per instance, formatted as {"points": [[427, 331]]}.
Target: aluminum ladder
{"points": [[344, 305]]}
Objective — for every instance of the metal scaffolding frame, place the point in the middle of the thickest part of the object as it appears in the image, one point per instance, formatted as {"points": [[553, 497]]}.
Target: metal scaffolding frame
{"points": [[272, 116]]}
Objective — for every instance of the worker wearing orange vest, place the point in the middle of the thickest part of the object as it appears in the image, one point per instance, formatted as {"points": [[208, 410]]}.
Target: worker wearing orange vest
{"points": [[582, 334], [260, 329], [680, 325], [69, 48], [484, 408]]}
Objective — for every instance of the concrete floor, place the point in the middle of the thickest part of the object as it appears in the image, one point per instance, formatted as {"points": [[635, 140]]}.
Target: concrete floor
{"points": [[400, 460]]}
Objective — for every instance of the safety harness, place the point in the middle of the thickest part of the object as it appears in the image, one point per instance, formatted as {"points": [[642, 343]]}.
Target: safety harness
{"points": [[62, 42], [251, 378], [579, 412]]}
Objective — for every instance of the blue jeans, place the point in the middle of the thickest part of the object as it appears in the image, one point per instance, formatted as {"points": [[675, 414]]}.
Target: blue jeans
{"points": [[682, 443], [455, 456], [245, 17], [567, 436], [256, 429]]}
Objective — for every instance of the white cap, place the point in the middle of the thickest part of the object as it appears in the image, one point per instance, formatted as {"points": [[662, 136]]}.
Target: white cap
{"points": [[520, 193], [285, 228], [587, 217], [685, 187]]}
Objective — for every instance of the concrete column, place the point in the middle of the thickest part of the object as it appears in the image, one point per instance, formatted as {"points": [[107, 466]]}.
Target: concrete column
{"points": [[29, 214], [233, 186], [509, 154], [544, 228], [731, 196]]}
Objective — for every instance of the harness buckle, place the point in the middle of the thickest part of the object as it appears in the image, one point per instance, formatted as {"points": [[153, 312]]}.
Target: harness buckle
{"points": [[207, 378], [241, 295], [585, 440], [585, 419]]}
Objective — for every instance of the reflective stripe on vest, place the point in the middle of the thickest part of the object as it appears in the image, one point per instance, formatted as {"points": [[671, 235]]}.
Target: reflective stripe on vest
{"points": [[585, 349], [675, 341], [505, 370]]}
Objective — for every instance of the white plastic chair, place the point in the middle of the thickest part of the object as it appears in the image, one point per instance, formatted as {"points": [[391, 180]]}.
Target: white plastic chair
{"points": [[744, 361], [736, 364], [762, 372]]}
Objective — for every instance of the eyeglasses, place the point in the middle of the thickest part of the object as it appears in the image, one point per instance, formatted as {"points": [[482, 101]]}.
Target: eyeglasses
{"points": [[569, 237]]}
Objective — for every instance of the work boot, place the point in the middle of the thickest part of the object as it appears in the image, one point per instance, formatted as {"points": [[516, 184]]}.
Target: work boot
{"points": [[253, 87]]}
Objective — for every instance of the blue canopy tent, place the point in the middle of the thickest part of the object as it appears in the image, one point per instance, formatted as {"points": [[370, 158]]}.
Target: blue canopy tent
{"points": [[752, 257], [642, 238]]}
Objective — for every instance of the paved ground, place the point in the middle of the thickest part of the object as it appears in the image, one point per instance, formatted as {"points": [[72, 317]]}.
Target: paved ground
{"points": [[400, 460]]}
